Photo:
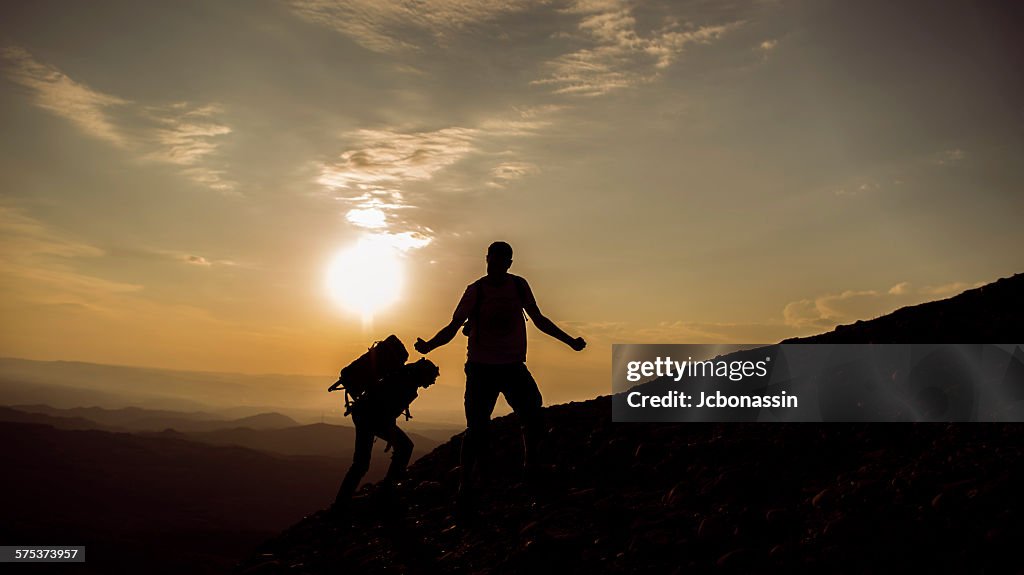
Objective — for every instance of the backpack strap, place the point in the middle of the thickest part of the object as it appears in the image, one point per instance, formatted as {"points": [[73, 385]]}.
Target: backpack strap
{"points": [[521, 290], [373, 356], [467, 328]]}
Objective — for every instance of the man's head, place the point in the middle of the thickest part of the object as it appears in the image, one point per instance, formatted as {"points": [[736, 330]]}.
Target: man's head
{"points": [[425, 372], [499, 258]]}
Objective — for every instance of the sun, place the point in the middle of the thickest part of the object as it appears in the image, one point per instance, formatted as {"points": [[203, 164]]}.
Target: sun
{"points": [[365, 278]]}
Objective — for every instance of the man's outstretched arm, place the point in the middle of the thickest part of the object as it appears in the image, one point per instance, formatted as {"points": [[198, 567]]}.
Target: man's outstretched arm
{"points": [[444, 336], [449, 331], [547, 326]]}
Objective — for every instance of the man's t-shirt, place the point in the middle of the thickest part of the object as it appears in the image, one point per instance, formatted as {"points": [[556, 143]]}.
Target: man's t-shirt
{"points": [[498, 332]]}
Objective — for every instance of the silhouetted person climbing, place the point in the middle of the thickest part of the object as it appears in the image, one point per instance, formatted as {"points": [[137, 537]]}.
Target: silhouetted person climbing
{"points": [[491, 310], [375, 414]]}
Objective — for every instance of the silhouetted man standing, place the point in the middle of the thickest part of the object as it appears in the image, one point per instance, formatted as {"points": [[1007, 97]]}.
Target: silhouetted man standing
{"points": [[492, 311]]}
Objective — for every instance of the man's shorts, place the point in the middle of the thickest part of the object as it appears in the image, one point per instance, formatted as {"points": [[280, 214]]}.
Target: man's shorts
{"points": [[484, 381]]}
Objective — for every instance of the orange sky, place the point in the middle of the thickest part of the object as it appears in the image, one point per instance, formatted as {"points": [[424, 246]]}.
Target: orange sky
{"points": [[177, 179]]}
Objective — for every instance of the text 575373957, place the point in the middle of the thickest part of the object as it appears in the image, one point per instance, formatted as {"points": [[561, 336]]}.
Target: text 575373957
{"points": [[42, 553]]}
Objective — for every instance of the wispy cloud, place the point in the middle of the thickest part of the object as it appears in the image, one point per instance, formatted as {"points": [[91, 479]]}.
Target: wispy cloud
{"points": [[386, 158], [767, 47], [179, 134], [800, 317], [55, 92], [902, 288], [188, 136], [373, 175], [26, 237], [38, 264], [189, 258], [617, 55], [828, 310], [367, 217], [507, 172], [54, 301], [680, 331], [379, 162], [949, 157], [857, 189], [198, 261], [387, 27], [715, 332], [616, 52], [378, 167], [945, 290], [525, 121]]}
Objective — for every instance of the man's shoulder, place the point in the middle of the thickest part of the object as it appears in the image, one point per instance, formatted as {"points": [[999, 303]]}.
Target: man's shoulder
{"points": [[519, 281]]}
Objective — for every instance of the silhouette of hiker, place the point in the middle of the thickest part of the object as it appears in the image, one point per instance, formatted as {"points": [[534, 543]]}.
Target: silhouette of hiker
{"points": [[492, 311], [375, 414]]}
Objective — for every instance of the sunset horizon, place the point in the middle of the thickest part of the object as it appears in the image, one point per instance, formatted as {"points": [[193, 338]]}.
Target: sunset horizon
{"points": [[187, 205]]}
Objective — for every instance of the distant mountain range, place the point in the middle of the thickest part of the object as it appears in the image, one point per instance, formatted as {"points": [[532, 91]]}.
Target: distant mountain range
{"points": [[210, 395], [270, 432], [68, 384], [319, 439], [139, 419], [703, 497]]}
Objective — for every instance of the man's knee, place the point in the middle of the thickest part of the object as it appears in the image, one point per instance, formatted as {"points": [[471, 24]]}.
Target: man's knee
{"points": [[478, 416], [401, 446], [475, 434], [477, 425], [359, 467], [532, 422], [524, 397], [361, 457]]}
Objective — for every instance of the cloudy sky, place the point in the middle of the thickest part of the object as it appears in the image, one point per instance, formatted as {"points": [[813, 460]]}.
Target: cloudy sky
{"points": [[178, 177]]}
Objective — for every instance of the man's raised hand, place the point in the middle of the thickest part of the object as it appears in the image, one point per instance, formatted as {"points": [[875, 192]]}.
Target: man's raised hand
{"points": [[578, 344]]}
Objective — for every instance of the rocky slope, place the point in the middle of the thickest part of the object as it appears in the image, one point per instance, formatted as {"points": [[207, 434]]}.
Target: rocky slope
{"points": [[738, 497]]}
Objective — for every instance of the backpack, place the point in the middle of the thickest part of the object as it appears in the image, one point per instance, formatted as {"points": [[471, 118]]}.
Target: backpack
{"points": [[520, 283], [382, 358], [391, 395]]}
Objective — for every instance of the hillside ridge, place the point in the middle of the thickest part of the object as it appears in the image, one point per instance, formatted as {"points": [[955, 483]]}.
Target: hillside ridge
{"points": [[736, 497]]}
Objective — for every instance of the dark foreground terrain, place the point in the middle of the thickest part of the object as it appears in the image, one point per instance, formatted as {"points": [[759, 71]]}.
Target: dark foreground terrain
{"points": [[170, 505], [165, 502], [739, 497]]}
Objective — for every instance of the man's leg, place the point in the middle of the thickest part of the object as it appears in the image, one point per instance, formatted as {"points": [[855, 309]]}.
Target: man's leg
{"points": [[360, 465], [523, 396], [401, 451], [481, 395]]}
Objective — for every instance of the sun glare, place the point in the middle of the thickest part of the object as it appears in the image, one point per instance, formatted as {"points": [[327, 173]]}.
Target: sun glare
{"points": [[365, 278]]}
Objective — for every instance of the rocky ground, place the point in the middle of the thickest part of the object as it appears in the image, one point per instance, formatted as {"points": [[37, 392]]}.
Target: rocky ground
{"points": [[675, 498], [663, 497]]}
